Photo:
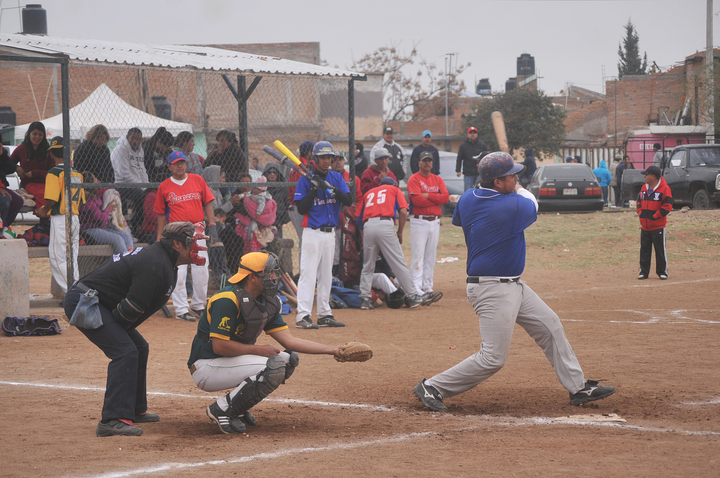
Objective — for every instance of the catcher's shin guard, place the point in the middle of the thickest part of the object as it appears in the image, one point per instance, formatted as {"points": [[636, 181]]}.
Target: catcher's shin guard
{"points": [[292, 363], [254, 391]]}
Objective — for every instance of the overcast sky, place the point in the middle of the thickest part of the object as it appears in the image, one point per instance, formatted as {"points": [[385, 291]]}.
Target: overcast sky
{"points": [[571, 40]]}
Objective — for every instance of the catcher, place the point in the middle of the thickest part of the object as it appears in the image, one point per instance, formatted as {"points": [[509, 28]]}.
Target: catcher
{"points": [[224, 353]]}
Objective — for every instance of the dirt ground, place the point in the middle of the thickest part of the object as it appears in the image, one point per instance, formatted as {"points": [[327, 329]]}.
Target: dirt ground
{"points": [[656, 342]]}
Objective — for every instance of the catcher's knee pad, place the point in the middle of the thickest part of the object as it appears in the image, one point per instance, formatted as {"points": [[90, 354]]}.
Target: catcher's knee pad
{"points": [[292, 363], [254, 391]]}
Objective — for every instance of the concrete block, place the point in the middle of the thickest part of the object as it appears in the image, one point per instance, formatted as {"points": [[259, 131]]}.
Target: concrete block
{"points": [[14, 278]]}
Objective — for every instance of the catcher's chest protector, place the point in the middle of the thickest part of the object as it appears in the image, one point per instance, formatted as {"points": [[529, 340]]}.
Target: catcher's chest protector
{"points": [[255, 315]]}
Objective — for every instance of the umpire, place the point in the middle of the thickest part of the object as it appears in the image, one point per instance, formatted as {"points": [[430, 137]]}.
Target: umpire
{"points": [[131, 288], [494, 218]]}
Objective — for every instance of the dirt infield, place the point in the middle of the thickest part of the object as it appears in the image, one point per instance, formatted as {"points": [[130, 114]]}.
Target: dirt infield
{"points": [[656, 341]]}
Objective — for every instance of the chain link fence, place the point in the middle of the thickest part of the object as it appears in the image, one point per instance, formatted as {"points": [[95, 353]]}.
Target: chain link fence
{"points": [[126, 121]]}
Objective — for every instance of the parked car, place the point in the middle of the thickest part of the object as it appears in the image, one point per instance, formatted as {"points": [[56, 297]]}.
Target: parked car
{"points": [[566, 187]]}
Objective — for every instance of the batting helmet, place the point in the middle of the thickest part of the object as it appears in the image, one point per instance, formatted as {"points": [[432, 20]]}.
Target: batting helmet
{"points": [[497, 165], [396, 299], [323, 148]]}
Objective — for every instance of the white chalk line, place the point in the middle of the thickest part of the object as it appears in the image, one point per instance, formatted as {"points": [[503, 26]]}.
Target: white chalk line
{"points": [[652, 284], [655, 316]]}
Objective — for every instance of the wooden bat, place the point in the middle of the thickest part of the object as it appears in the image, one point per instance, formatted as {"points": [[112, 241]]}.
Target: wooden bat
{"points": [[291, 300], [500, 134]]}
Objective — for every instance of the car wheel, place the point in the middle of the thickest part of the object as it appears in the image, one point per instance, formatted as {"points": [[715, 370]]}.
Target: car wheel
{"points": [[701, 200]]}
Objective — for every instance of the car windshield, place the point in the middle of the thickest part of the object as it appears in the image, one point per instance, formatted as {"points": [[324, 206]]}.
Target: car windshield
{"points": [[705, 157], [567, 172]]}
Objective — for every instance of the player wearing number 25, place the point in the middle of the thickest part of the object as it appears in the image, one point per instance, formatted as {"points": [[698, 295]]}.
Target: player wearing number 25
{"points": [[494, 218], [55, 205]]}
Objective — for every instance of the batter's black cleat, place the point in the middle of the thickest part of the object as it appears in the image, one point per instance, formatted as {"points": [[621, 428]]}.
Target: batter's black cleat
{"points": [[430, 397], [225, 422], [306, 323], [329, 321], [431, 297], [590, 393], [147, 418], [117, 428], [366, 304]]}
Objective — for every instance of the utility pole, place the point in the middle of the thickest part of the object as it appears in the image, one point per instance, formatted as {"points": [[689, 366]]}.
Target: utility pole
{"points": [[709, 80], [448, 69]]}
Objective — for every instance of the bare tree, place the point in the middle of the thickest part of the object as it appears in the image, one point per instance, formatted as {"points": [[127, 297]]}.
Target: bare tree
{"points": [[407, 93]]}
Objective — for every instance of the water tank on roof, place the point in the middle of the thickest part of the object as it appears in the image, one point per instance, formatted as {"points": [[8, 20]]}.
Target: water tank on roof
{"points": [[525, 65], [163, 107], [510, 84], [7, 116], [483, 87], [34, 19]]}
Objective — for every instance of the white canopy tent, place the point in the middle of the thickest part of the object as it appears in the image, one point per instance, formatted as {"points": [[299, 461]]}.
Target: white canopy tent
{"points": [[103, 106]]}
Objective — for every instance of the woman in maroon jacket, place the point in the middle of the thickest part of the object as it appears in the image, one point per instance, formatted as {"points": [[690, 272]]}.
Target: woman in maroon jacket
{"points": [[34, 161]]}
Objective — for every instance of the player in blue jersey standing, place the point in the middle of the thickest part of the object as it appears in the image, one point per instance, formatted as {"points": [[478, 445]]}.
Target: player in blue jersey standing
{"points": [[494, 218], [320, 208]]}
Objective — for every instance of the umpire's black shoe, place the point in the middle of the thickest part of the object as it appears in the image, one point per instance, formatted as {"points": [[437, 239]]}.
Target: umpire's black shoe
{"points": [[590, 393], [116, 427], [225, 422], [430, 397], [642, 276], [147, 418]]}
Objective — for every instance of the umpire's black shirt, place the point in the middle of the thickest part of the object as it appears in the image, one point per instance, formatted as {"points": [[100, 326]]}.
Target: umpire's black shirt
{"points": [[146, 276]]}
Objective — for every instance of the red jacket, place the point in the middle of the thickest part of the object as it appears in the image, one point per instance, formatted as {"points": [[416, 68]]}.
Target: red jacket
{"points": [[654, 206], [437, 193], [38, 168], [371, 180]]}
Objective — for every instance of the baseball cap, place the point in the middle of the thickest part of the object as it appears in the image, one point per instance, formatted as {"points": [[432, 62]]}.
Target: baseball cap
{"points": [[388, 180], [654, 170], [56, 142], [306, 147], [426, 133], [496, 165], [176, 156], [381, 153], [472, 128], [568, 159], [388, 130], [426, 155], [249, 263]]}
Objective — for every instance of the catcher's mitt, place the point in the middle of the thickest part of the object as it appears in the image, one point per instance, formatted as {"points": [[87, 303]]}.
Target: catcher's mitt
{"points": [[354, 352]]}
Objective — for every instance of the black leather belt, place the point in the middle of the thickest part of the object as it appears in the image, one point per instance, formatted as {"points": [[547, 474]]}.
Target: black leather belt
{"points": [[324, 229], [426, 218], [476, 280]]}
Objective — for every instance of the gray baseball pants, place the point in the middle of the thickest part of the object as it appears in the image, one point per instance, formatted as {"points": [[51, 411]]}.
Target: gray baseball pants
{"points": [[379, 235], [499, 306]]}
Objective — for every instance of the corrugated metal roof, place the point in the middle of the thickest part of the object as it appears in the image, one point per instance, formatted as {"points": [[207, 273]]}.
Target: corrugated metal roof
{"points": [[165, 56]]}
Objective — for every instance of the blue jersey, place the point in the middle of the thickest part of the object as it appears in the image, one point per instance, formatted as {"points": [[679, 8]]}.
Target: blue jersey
{"points": [[325, 210], [494, 226]]}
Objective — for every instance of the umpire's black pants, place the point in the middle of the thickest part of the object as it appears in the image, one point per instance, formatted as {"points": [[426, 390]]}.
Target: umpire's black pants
{"points": [[648, 239], [125, 391]]}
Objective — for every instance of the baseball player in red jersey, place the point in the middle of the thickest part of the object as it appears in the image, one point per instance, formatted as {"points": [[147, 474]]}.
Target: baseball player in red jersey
{"points": [[186, 197], [379, 209], [375, 173], [427, 195]]}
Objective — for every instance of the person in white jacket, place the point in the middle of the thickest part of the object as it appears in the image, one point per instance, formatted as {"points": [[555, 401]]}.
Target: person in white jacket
{"points": [[128, 163]]}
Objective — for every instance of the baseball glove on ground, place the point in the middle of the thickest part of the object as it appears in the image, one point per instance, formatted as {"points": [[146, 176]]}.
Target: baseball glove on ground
{"points": [[354, 352]]}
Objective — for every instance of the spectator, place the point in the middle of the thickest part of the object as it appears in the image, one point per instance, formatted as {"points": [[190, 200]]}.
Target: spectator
{"points": [[279, 195], [216, 252], [156, 151], [530, 168], [233, 243], [95, 220], [185, 142], [185, 197], [421, 148], [619, 201], [255, 224], [361, 162], [255, 164], [468, 157], [568, 159], [604, 178], [577, 159], [374, 174], [128, 161], [397, 155], [55, 207], [306, 149], [228, 155], [34, 162], [11, 202], [148, 231], [427, 195], [653, 205], [214, 174], [659, 157], [615, 185], [93, 154]]}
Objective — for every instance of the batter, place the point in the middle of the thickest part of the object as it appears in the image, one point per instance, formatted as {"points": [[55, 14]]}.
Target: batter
{"points": [[494, 218]]}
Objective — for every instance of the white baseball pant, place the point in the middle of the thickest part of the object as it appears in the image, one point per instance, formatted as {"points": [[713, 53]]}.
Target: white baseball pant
{"points": [[424, 236], [57, 249], [316, 261], [200, 276]]}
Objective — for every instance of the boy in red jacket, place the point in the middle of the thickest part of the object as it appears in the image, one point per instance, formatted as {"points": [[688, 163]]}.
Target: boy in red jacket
{"points": [[653, 205]]}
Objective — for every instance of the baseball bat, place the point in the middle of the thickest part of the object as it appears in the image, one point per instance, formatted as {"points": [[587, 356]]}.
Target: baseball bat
{"points": [[499, 126], [317, 181]]}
